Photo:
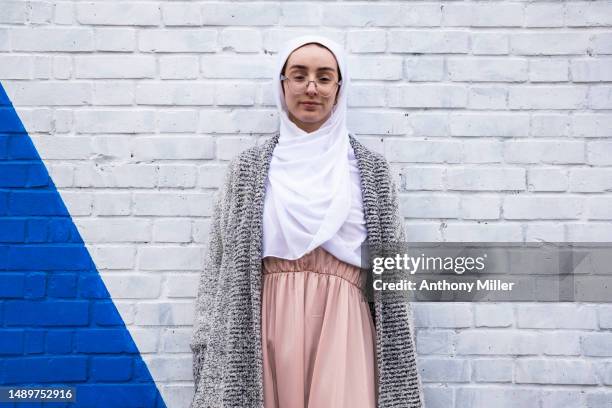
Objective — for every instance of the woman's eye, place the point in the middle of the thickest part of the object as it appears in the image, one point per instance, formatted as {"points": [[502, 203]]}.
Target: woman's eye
{"points": [[298, 77], [324, 79]]}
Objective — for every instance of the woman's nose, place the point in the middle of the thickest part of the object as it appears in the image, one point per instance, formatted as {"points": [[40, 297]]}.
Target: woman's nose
{"points": [[311, 88]]}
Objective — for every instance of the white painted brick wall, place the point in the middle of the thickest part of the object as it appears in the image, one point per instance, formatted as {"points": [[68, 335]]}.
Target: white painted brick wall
{"points": [[495, 116]]}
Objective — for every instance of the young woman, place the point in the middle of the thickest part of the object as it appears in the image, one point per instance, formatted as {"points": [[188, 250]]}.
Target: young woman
{"points": [[281, 316]]}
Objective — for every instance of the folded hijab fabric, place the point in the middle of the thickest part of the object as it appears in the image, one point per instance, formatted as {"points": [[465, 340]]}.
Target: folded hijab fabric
{"points": [[313, 195]]}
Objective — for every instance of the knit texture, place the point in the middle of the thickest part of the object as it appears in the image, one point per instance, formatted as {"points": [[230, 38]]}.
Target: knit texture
{"points": [[226, 343]]}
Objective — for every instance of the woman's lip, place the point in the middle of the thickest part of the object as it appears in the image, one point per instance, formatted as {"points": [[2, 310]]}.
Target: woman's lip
{"points": [[310, 103]]}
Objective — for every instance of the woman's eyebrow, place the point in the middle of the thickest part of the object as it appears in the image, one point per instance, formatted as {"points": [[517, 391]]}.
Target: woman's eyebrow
{"points": [[318, 69]]}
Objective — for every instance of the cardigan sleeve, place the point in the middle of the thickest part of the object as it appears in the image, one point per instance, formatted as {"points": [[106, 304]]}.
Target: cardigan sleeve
{"points": [[209, 277]]}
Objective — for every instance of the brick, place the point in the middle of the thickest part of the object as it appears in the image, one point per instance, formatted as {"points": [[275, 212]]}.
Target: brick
{"points": [[32, 93], [172, 230], [234, 94], [597, 344], [422, 151], [46, 313], [111, 66], [487, 97], [560, 316], [427, 96], [434, 341], [549, 43], [547, 97], [444, 370], [438, 397], [442, 315], [544, 15], [134, 286], [177, 40], [300, 14], [177, 176], [173, 148], [16, 67], [114, 230], [485, 178], [240, 14], [477, 124], [587, 14], [599, 208], [181, 14], [542, 207], [124, 13], [590, 180], [375, 68], [492, 370], [547, 179], [591, 70], [367, 41], [46, 369], [601, 43], [540, 371], [562, 398], [13, 12], [176, 340], [591, 125], [236, 66], [171, 121], [422, 178], [172, 204], [64, 13], [179, 67], [548, 70], [492, 342], [429, 42], [111, 368], [424, 69], [423, 232], [560, 343], [165, 314], [549, 152], [112, 203], [600, 97], [547, 124], [492, 315], [113, 93], [114, 121], [52, 39], [112, 176], [115, 39], [170, 368], [182, 285], [238, 121], [542, 231], [103, 341], [362, 15], [485, 69], [367, 96], [483, 15], [482, 232], [430, 206], [485, 43], [174, 93], [115, 257]]}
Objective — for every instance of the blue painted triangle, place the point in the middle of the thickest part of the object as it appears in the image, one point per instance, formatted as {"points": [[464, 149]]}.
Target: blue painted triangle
{"points": [[58, 323]]}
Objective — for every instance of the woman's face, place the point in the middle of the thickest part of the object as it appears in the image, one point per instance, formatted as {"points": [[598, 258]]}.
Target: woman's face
{"points": [[311, 60]]}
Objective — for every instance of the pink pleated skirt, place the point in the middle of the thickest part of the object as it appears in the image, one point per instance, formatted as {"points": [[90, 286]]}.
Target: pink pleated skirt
{"points": [[318, 337]]}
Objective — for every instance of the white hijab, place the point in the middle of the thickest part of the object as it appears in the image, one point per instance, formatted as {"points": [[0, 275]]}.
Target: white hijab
{"points": [[313, 195]]}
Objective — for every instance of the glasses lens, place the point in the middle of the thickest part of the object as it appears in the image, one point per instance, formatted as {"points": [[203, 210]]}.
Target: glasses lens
{"points": [[325, 85]]}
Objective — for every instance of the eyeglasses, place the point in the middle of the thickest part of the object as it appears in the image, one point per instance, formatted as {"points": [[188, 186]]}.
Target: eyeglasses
{"points": [[298, 83]]}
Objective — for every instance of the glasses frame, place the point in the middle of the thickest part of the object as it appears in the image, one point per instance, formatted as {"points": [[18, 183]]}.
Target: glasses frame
{"points": [[283, 78]]}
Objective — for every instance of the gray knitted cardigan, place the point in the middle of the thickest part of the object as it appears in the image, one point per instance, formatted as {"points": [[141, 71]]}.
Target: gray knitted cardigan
{"points": [[226, 342]]}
